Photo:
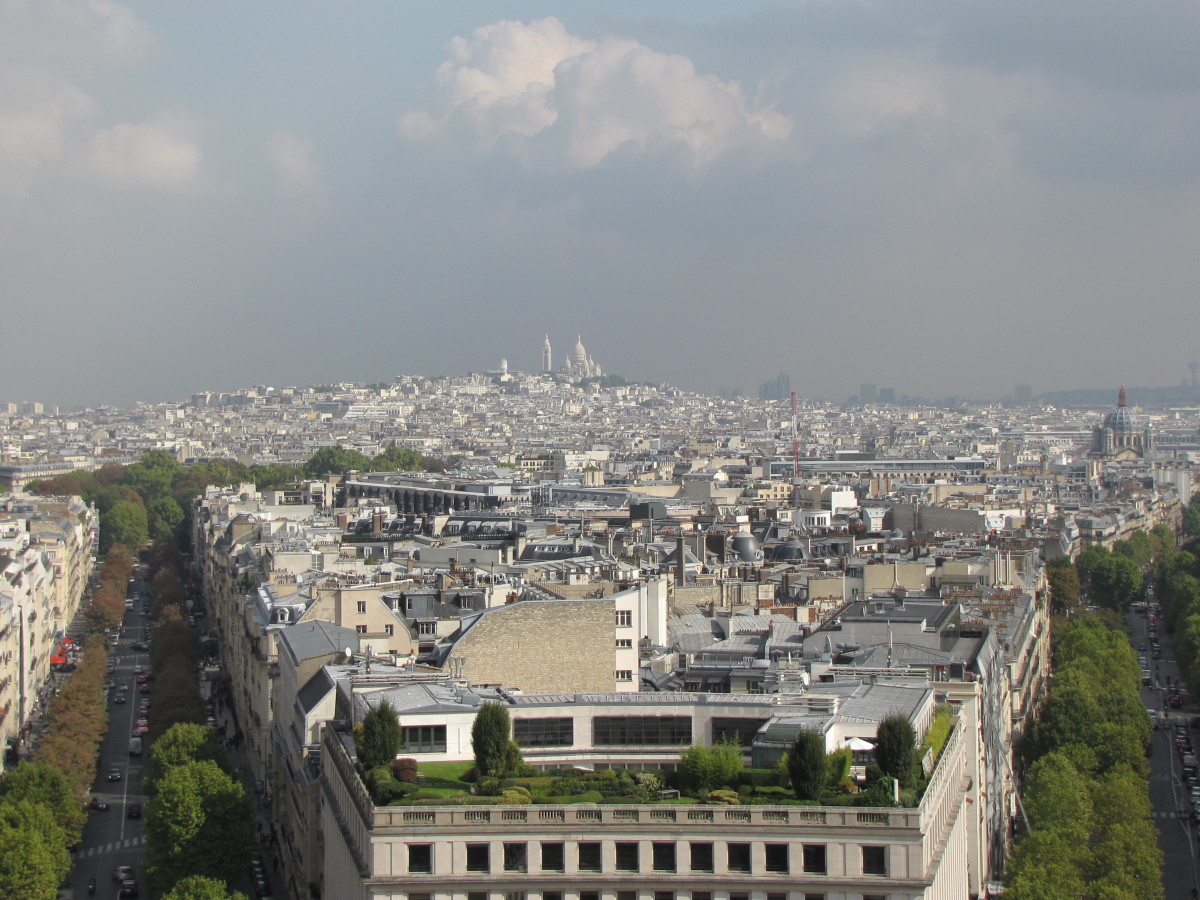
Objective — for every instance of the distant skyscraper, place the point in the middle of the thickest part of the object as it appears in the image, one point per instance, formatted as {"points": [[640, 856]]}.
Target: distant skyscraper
{"points": [[777, 388], [1023, 394], [866, 393], [547, 356], [887, 395]]}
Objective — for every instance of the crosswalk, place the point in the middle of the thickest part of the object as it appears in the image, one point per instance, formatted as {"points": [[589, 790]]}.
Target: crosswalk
{"points": [[112, 847]]}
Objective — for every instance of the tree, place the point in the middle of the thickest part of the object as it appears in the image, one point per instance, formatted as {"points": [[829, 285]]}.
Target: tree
{"points": [[397, 459], [1088, 559], [180, 744], [807, 767], [1056, 795], [125, 524], [334, 461], [198, 887], [1064, 583], [45, 786], [704, 769], [895, 741], [1116, 582], [379, 744], [490, 735], [199, 823], [33, 860], [1137, 547], [164, 516]]}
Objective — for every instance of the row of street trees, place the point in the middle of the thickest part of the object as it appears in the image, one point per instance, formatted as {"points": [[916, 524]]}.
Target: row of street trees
{"points": [[1086, 791], [1177, 580], [198, 818]]}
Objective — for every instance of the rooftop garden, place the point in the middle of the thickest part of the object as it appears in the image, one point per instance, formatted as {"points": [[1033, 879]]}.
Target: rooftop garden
{"points": [[806, 775]]}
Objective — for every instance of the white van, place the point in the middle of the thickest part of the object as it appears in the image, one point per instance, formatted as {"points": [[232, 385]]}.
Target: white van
{"points": [[135, 745]]}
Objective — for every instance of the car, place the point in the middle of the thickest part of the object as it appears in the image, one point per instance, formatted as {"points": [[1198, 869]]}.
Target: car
{"points": [[135, 811], [144, 688], [123, 686], [138, 670], [120, 698], [120, 873], [129, 888], [139, 645], [98, 803], [114, 774]]}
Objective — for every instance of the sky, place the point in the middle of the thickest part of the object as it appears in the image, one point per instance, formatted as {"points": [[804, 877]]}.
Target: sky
{"points": [[943, 197]]}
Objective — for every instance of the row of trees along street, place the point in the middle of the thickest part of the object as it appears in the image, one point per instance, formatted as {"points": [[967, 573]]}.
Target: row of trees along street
{"points": [[1088, 832], [198, 822], [42, 809], [1177, 583]]}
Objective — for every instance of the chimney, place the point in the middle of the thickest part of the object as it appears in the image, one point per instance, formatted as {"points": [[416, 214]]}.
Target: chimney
{"points": [[343, 520], [377, 522]]}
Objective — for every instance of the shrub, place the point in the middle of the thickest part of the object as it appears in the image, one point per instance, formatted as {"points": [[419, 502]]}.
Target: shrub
{"points": [[895, 744], [405, 769], [487, 787], [807, 766], [727, 797]]}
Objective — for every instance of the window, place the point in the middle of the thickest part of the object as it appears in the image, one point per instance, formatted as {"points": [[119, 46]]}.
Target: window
{"points": [[777, 858], [739, 858], [624, 675], [811, 896], [514, 895], [423, 739], [740, 730], [389, 630], [702, 857], [664, 857], [420, 859], [553, 857], [477, 895], [874, 860], [552, 895], [624, 618], [479, 858], [589, 895], [627, 895], [360, 629], [701, 895], [627, 856], [814, 860], [557, 732], [427, 629], [635, 731], [362, 606], [589, 856], [664, 895], [874, 897], [624, 643], [771, 896], [515, 858]]}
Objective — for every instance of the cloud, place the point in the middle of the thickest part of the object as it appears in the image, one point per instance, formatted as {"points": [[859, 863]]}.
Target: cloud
{"points": [[292, 159], [581, 101], [159, 153]]}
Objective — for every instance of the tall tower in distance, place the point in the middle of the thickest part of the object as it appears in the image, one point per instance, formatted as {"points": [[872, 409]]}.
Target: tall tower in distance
{"points": [[547, 356]]}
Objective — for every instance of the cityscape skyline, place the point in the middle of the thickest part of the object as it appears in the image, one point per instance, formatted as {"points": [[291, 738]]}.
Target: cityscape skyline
{"points": [[945, 199]]}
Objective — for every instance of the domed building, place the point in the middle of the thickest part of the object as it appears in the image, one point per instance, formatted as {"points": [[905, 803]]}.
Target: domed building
{"points": [[578, 364], [1121, 435]]}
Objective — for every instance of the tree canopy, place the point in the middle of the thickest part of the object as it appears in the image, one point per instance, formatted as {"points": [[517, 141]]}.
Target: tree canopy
{"points": [[806, 765], [490, 735], [334, 461], [895, 747], [378, 740]]}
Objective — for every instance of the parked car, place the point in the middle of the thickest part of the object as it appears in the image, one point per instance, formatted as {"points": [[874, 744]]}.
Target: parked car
{"points": [[120, 873], [129, 888], [98, 803], [120, 698], [135, 811], [114, 773]]}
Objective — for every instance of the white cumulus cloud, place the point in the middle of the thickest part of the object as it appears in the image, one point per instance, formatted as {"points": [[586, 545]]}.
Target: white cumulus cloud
{"points": [[162, 152], [536, 81], [292, 159]]}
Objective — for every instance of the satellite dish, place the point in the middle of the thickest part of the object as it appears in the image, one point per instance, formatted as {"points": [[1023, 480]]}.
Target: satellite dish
{"points": [[349, 653]]}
